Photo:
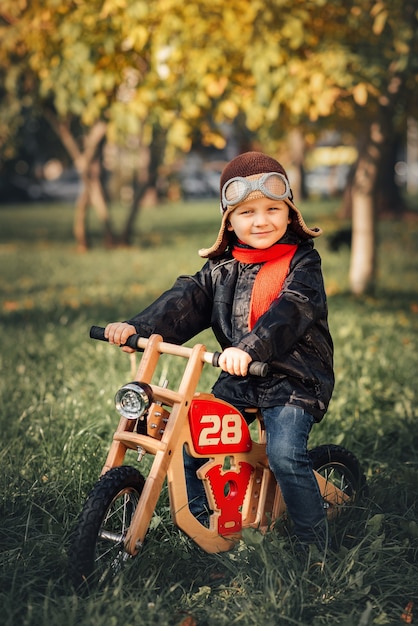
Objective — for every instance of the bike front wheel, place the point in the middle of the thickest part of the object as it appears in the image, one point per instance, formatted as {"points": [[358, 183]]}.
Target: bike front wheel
{"points": [[96, 551]]}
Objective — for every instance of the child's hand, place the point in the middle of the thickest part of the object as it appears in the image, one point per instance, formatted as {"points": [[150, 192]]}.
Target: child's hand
{"points": [[234, 361], [118, 333]]}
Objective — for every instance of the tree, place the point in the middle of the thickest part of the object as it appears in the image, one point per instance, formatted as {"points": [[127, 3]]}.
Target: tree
{"points": [[288, 64], [355, 62], [389, 88], [99, 69], [77, 64], [61, 59]]}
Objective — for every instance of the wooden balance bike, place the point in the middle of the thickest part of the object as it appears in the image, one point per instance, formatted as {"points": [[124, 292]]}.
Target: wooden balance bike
{"points": [[165, 423]]}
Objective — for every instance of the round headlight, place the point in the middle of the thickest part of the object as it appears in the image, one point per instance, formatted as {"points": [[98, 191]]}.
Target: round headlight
{"points": [[133, 400]]}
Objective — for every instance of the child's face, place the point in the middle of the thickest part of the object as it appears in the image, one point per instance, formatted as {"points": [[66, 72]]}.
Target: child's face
{"points": [[260, 223]]}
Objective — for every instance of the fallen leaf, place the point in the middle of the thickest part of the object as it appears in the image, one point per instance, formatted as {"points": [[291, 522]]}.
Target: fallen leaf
{"points": [[407, 615], [188, 621]]}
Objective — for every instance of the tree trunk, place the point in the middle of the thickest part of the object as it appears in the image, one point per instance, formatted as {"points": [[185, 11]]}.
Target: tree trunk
{"points": [[88, 166], [296, 143], [412, 156], [363, 246], [389, 199], [145, 179], [98, 201], [80, 216], [346, 210], [380, 143]]}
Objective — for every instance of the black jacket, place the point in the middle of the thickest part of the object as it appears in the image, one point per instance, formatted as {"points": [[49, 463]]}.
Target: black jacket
{"points": [[292, 336]]}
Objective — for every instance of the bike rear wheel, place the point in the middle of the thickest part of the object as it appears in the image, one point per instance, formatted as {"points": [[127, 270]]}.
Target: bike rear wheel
{"points": [[96, 551], [341, 468]]}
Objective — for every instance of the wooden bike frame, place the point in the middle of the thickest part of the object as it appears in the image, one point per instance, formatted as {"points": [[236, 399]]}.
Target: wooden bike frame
{"points": [[240, 487]]}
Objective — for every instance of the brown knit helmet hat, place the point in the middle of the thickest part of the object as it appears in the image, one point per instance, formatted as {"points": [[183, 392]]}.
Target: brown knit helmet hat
{"points": [[251, 165]]}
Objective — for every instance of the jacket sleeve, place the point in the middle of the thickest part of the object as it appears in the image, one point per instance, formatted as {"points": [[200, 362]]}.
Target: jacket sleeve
{"points": [[179, 313], [300, 304]]}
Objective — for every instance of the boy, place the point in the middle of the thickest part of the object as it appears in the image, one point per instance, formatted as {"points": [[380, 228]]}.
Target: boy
{"points": [[261, 291]]}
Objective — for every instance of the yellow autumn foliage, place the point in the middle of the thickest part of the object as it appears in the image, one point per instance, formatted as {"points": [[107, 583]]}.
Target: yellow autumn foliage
{"points": [[185, 61]]}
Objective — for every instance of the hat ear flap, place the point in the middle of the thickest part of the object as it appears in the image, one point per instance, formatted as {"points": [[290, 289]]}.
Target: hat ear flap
{"points": [[297, 223]]}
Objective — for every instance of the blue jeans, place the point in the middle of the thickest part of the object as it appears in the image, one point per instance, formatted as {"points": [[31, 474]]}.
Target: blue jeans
{"points": [[287, 431], [198, 503]]}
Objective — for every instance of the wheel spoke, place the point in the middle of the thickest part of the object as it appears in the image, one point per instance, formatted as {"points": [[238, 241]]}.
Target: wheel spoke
{"points": [[97, 551], [113, 530]]}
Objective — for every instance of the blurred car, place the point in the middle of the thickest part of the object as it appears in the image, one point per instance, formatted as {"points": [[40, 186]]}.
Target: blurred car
{"points": [[66, 187], [18, 188]]}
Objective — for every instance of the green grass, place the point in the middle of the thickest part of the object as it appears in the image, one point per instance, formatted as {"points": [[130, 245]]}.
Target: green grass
{"points": [[57, 418]]}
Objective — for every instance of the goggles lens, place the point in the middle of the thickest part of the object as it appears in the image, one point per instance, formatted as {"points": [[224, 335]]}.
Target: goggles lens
{"points": [[272, 185]]}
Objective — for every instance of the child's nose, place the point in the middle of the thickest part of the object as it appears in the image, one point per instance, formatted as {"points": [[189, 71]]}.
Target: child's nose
{"points": [[259, 219]]}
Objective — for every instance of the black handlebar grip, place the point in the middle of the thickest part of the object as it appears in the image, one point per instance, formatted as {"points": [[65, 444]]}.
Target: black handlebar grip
{"points": [[97, 332], [255, 368], [215, 359], [258, 368], [133, 342]]}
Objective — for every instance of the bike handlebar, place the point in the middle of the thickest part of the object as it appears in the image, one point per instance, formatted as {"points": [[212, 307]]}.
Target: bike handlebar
{"points": [[136, 342], [255, 368], [97, 332]]}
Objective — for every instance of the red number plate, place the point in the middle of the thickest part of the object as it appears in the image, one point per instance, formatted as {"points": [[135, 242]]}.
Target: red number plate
{"points": [[218, 428]]}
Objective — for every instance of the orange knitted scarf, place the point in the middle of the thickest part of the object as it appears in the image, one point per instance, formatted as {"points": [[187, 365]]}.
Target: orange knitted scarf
{"points": [[269, 280]]}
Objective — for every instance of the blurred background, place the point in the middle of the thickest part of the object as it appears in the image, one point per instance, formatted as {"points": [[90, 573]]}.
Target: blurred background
{"points": [[133, 103]]}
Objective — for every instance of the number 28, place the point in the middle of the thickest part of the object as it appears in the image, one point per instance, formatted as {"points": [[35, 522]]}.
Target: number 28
{"points": [[227, 430]]}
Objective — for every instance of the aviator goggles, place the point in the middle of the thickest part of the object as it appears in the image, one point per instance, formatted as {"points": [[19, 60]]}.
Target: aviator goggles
{"points": [[272, 185]]}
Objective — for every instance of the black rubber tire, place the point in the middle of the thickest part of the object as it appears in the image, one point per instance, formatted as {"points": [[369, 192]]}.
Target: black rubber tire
{"points": [[342, 468], [93, 559]]}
